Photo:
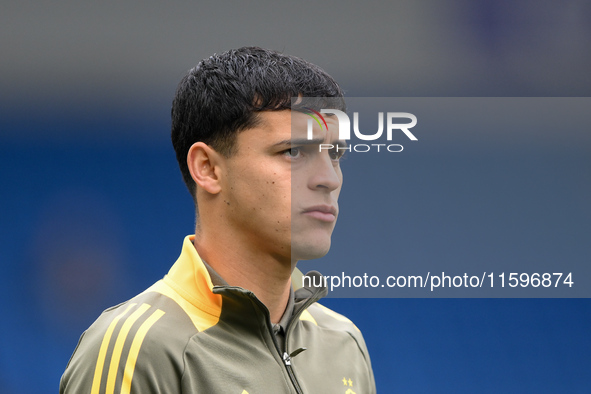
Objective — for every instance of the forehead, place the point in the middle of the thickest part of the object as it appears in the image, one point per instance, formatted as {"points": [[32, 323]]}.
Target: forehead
{"points": [[321, 126], [275, 126], [274, 121], [270, 128]]}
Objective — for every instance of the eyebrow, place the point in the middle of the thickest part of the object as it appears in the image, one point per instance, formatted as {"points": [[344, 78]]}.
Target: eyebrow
{"points": [[305, 141]]}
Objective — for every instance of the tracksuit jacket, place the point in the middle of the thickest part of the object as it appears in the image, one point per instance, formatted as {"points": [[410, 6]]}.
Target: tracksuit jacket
{"points": [[185, 335]]}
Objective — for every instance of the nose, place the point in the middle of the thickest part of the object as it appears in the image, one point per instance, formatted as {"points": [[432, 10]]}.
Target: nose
{"points": [[325, 174]]}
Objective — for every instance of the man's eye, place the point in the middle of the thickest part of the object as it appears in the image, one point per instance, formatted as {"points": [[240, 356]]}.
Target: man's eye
{"points": [[293, 153], [336, 154]]}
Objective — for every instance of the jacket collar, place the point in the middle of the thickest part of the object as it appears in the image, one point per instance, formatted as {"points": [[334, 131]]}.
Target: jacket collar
{"points": [[190, 277]]}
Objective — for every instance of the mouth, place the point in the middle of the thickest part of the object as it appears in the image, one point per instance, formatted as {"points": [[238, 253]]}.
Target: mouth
{"points": [[325, 213]]}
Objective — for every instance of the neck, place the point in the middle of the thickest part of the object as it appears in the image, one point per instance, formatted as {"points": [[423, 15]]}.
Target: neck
{"points": [[239, 264]]}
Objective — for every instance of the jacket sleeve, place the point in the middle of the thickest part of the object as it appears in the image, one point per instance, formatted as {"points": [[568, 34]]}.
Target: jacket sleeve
{"points": [[130, 349], [353, 350]]}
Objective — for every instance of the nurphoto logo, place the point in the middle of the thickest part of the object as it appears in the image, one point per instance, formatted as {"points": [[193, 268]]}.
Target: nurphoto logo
{"points": [[392, 125]]}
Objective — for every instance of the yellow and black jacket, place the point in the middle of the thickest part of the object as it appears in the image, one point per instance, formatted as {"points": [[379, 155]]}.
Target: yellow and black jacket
{"points": [[185, 335]]}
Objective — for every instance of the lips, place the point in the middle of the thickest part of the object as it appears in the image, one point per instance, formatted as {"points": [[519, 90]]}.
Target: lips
{"points": [[325, 213]]}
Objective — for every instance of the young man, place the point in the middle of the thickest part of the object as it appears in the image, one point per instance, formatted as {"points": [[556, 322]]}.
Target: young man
{"points": [[226, 318]]}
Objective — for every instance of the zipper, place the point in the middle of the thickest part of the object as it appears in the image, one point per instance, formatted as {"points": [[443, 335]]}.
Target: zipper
{"points": [[287, 362], [286, 357]]}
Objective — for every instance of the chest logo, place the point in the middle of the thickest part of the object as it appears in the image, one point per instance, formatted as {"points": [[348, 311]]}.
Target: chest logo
{"points": [[348, 383]]}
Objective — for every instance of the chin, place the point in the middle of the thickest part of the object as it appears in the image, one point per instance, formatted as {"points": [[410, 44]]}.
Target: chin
{"points": [[309, 250]]}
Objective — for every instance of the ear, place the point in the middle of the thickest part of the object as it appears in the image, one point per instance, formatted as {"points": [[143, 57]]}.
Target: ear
{"points": [[204, 164]]}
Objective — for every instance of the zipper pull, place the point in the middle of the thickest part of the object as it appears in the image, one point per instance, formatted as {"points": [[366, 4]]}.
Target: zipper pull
{"points": [[297, 351], [286, 359]]}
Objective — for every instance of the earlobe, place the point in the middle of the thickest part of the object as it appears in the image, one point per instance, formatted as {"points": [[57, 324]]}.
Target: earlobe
{"points": [[202, 161]]}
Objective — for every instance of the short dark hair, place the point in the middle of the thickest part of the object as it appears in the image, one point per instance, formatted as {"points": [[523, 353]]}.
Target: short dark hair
{"points": [[223, 94]]}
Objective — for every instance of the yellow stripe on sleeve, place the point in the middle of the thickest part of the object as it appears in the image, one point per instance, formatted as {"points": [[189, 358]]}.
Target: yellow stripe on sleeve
{"points": [[336, 315], [135, 350], [100, 361], [307, 316], [119, 346]]}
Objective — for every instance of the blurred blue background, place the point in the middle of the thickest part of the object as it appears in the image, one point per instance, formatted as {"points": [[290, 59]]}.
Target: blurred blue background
{"points": [[94, 209]]}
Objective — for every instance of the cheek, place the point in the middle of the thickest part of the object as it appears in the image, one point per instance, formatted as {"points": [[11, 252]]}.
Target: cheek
{"points": [[264, 187], [273, 191]]}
